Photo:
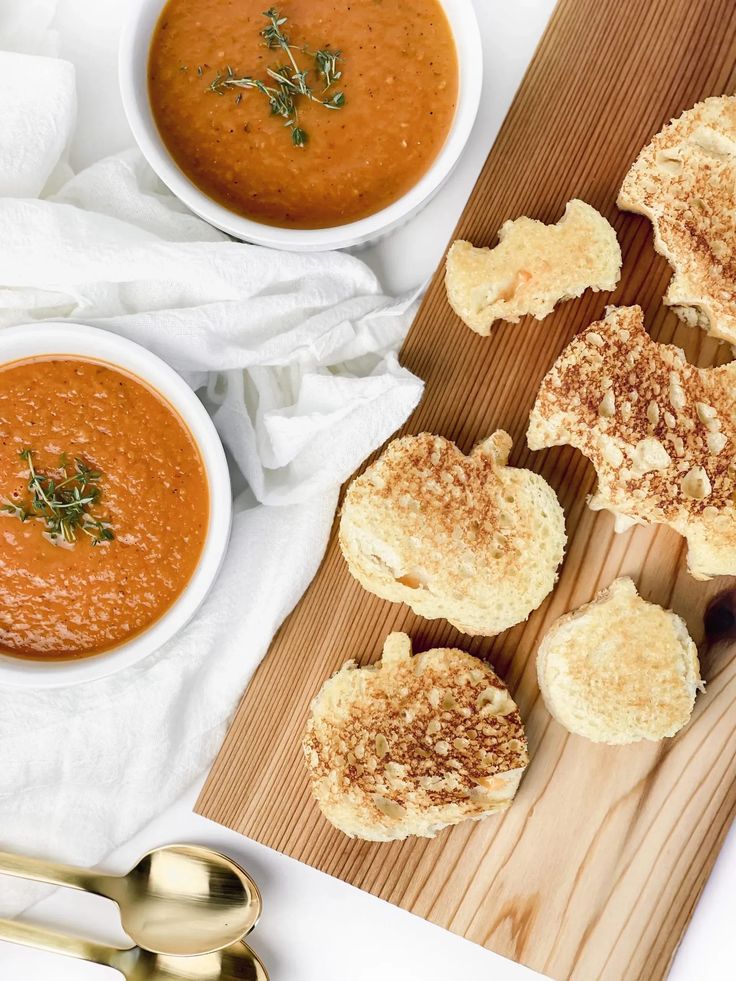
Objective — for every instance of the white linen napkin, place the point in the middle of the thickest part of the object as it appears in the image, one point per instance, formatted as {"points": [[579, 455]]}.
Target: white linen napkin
{"points": [[294, 355]]}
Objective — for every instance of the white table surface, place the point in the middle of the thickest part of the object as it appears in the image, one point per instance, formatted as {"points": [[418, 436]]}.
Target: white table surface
{"points": [[315, 928]]}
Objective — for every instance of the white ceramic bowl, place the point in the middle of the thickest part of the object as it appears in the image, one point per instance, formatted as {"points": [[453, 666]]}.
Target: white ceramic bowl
{"points": [[33, 340], [133, 71]]}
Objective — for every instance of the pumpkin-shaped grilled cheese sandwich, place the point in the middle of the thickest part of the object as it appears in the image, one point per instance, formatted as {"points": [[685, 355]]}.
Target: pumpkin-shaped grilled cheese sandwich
{"points": [[466, 538], [413, 744], [619, 669]]}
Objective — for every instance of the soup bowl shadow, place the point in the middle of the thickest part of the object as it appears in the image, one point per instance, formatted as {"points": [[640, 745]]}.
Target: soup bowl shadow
{"points": [[133, 76], [93, 344]]}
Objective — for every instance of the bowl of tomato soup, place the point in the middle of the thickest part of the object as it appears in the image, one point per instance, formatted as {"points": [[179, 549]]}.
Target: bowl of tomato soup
{"points": [[115, 503], [307, 126]]}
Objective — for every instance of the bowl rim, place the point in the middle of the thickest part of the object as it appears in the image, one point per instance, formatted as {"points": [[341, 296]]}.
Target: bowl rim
{"points": [[132, 74], [52, 338]]}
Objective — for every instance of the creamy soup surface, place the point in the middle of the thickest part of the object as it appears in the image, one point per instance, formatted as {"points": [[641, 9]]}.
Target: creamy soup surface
{"points": [[62, 600], [399, 79]]}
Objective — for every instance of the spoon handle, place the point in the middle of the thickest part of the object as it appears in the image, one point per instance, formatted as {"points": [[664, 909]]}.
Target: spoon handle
{"points": [[43, 871], [57, 943]]}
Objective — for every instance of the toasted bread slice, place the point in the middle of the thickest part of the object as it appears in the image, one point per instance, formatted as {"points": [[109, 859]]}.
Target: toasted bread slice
{"points": [[660, 433], [411, 745], [533, 267], [466, 538], [619, 669], [684, 181]]}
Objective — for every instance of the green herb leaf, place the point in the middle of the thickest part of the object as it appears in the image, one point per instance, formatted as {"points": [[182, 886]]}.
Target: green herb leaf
{"points": [[292, 82], [326, 61], [62, 501], [337, 101], [272, 34]]}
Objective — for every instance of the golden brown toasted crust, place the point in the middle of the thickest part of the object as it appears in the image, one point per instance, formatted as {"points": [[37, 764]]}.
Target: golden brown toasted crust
{"points": [[466, 538], [411, 745], [619, 669], [660, 432], [533, 267], [684, 181]]}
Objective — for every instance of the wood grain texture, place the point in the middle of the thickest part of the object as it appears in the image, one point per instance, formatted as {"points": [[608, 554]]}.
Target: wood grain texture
{"points": [[595, 870]]}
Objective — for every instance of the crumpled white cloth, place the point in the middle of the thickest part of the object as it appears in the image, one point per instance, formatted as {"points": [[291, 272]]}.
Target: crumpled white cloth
{"points": [[294, 355]]}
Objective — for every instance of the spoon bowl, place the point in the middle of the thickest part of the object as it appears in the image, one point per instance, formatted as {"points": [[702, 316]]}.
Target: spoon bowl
{"points": [[185, 899], [178, 899]]}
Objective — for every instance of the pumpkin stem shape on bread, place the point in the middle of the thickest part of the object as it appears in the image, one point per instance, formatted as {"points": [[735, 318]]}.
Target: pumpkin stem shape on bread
{"points": [[466, 538], [619, 669], [533, 267], [660, 433], [413, 744], [684, 181]]}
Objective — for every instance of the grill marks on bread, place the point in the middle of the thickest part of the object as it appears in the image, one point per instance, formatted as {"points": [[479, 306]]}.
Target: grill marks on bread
{"points": [[684, 181], [411, 745], [660, 432], [466, 538]]}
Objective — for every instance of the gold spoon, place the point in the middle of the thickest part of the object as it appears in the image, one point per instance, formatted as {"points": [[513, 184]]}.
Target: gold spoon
{"points": [[179, 899], [235, 963]]}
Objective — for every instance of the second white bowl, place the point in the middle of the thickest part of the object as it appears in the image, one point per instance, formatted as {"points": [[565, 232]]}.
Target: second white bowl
{"points": [[36, 340]]}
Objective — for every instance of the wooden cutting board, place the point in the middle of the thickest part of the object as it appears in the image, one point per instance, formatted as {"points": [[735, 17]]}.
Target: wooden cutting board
{"points": [[595, 870]]}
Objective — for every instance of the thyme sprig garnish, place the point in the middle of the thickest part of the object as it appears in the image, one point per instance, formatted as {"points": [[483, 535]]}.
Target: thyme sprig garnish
{"points": [[62, 501], [292, 82]]}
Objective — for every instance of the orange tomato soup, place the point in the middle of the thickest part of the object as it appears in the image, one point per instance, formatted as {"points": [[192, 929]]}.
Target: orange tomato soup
{"points": [[61, 600], [399, 79]]}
